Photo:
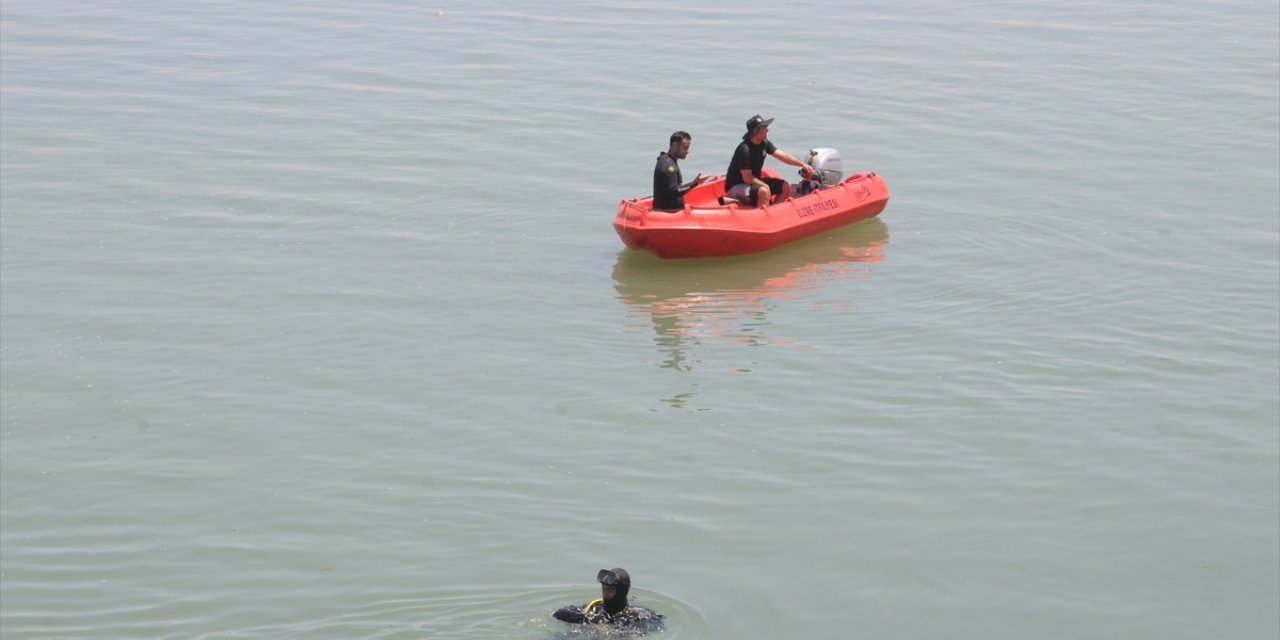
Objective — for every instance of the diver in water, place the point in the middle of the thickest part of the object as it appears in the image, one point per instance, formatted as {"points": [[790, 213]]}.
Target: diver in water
{"points": [[611, 607]]}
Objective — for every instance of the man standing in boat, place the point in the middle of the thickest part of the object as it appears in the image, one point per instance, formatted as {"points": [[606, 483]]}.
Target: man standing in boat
{"points": [[668, 193], [743, 182]]}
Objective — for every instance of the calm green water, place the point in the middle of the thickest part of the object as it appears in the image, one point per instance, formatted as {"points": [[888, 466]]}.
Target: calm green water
{"points": [[314, 325]]}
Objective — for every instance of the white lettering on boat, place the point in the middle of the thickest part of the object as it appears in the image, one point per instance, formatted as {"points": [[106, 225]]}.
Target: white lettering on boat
{"points": [[820, 207]]}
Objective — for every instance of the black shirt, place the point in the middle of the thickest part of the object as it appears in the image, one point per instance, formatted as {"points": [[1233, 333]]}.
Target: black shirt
{"points": [[747, 156], [667, 190]]}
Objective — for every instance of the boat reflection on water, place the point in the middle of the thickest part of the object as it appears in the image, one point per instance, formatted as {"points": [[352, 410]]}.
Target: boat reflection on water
{"points": [[688, 301]]}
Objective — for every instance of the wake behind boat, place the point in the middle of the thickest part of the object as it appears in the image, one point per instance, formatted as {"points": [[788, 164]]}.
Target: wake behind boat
{"points": [[710, 226]]}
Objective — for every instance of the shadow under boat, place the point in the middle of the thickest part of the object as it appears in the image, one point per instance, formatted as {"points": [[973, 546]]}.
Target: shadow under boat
{"points": [[641, 277], [730, 297]]}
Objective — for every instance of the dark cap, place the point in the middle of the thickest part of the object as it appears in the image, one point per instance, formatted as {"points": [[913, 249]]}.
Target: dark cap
{"points": [[614, 576], [756, 122]]}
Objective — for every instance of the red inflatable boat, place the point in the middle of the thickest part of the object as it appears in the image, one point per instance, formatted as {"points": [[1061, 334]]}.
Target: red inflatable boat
{"points": [[707, 228]]}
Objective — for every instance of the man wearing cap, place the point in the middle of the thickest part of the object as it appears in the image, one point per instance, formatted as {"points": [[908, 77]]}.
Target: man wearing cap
{"points": [[743, 182], [668, 193], [611, 607]]}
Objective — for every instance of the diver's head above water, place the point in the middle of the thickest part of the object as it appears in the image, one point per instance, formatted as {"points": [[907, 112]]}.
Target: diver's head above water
{"points": [[611, 608], [614, 585]]}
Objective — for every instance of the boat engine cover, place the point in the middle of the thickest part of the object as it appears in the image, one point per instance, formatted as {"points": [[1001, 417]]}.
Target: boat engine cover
{"points": [[826, 161]]}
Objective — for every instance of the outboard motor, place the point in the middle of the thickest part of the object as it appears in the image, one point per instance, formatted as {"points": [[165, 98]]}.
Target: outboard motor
{"points": [[826, 162], [827, 171]]}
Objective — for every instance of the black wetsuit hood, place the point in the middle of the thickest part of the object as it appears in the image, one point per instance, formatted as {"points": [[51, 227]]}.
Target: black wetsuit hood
{"points": [[621, 581]]}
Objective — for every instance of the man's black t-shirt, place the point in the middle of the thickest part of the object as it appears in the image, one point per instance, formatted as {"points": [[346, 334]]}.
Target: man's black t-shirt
{"points": [[747, 156], [667, 193]]}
